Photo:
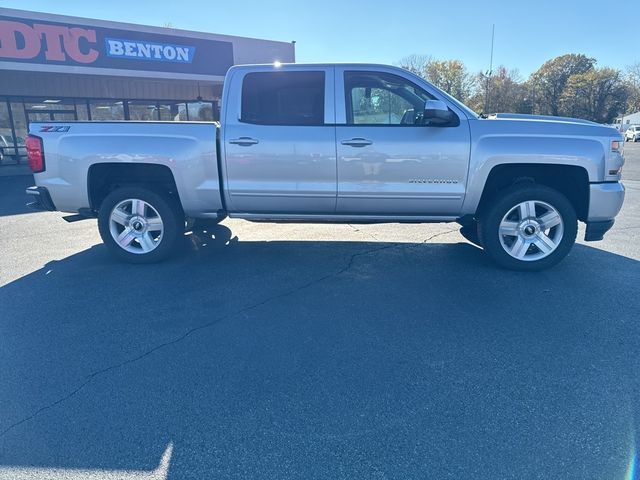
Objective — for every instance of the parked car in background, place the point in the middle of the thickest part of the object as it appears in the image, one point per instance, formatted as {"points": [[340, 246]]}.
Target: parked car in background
{"points": [[632, 134], [7, 147]]}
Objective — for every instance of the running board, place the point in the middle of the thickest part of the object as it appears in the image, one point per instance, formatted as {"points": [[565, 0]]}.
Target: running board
{"points": [[332, 218], [83, 214]]}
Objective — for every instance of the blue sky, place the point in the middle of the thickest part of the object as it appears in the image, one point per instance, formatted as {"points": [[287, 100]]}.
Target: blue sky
{"points": [[527, 33]]}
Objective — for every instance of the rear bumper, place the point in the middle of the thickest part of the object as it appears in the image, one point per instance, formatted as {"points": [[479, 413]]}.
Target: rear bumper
{"points": [[42, 199]]}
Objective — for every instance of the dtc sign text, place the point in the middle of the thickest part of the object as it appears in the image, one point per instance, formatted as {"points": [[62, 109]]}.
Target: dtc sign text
{"points": [[49, 45]]}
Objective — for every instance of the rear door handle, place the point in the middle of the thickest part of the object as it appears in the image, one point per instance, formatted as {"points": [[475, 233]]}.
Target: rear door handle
{"points": [[357, 142], [244, 141]]}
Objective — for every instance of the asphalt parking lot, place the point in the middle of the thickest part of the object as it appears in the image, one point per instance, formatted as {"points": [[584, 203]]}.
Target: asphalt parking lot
{"points": [[315, 351]]}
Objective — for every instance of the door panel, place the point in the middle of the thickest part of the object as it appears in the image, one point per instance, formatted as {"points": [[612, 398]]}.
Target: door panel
{"points": [[404, 170], [290, 169], [389, 162], [279, 148]]}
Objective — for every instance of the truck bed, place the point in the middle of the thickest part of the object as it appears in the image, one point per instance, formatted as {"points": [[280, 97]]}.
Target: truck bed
{"points": [[77, 150]]}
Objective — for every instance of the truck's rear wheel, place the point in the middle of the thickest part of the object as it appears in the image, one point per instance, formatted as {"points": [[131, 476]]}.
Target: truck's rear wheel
{"points": [[139, 225], [529, 227]]}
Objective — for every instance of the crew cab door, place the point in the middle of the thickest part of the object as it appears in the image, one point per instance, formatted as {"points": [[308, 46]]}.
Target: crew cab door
{"points": [[389, 161], [278, 139]]}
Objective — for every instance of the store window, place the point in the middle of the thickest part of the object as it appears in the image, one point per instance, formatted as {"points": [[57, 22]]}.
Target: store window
{"points": [[174, 112], [49, 104], [7, 150], [82, 111], [143, 110], [106, 110], [200, 111], [20, 129]]}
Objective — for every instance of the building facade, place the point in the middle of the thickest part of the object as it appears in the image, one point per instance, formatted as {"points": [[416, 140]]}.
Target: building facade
{"points": [[60, 68], [627, 120]]}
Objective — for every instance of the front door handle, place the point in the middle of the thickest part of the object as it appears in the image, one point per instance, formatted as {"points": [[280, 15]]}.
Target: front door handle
{"points": [[244, 141], [357, 142]]}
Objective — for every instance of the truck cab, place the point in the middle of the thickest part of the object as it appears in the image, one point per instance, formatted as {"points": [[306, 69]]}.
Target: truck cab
{"points": [[339, 140]]}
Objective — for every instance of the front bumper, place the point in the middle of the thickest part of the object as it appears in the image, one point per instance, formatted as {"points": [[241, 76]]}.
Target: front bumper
{"points": [[605, 201], [596, 230], [42, 199]]}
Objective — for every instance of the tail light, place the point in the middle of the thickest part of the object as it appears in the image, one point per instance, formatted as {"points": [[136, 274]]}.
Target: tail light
{"points": [[35, 153]]}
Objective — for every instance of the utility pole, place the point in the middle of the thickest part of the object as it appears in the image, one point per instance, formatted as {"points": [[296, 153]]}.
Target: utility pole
{"points": [[490, 72]]}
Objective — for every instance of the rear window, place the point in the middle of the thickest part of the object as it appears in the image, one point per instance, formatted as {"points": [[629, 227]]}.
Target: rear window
{"points": [[283, 98]]}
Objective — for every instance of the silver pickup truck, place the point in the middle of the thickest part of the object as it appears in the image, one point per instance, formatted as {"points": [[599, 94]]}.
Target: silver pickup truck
{"points": [[336, 143]]}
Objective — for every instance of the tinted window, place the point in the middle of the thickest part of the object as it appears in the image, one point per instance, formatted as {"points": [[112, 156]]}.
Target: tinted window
{"points": [[283, 98], [375, 98]]}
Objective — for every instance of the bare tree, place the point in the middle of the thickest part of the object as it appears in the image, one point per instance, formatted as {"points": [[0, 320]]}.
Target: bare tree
{"points": [[415, 63], [632, 79]]}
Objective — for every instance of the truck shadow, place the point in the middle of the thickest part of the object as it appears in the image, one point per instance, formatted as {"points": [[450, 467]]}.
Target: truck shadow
{"points": [[13, 200], [286, 358]]}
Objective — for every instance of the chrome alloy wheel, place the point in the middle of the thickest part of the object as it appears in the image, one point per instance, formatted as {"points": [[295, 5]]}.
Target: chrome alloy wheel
{"points": [[531, 230], [136, 226]]}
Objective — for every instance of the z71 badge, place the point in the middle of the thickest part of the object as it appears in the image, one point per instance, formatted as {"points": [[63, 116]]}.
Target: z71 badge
{"points": [[55, 128]]}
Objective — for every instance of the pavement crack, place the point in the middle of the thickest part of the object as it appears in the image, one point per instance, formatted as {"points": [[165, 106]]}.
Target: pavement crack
{"points": [[371, 235], [439, 234], [92, 376]]}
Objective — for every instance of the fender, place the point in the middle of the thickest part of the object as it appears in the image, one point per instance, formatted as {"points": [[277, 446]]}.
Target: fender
{"points": [[490, 151]]}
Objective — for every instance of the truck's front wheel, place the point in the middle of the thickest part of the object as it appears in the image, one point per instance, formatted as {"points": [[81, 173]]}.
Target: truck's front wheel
{"points": [[529, 227], [139, 225]]}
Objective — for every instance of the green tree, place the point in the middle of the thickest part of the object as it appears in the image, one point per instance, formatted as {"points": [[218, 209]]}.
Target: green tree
{"points": [[448, 75], [598, 94], [551, 79], [503, 92], [451, 76]]}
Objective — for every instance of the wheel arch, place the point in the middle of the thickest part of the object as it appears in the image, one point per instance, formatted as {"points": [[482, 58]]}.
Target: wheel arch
{"points": [[570, 180], [103, 178]]}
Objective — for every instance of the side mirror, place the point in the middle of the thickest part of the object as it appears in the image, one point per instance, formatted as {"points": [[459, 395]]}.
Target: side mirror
{"points": [[437, 113]]}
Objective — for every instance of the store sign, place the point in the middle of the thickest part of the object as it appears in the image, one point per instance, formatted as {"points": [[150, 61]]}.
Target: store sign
{"points": [[149, 51], [52, 43]]}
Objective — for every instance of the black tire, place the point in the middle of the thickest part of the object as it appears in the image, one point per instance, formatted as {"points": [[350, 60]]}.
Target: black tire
{"points": [[506, 201], [167, 208], [470, 233]]}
